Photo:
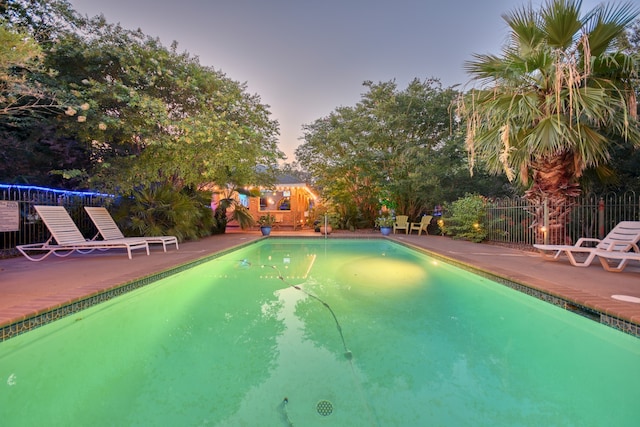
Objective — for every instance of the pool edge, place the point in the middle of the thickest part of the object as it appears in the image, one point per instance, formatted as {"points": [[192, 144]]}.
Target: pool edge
{"points": [[34, 320]]}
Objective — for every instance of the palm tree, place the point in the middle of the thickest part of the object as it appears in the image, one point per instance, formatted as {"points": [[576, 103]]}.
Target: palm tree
{"points": [[228, 208], [554, 103]]}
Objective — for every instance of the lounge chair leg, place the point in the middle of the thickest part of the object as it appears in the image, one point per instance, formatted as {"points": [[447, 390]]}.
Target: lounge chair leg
{"points": [[617, 269]]}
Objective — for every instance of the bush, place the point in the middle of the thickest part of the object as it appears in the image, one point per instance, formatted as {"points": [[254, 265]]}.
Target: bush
{"points": [[465, 218], [163, 210]]}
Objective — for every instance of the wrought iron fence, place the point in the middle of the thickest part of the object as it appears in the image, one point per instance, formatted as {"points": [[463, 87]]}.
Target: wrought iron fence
{"points": [[508, 220], [30, 227], [511, 220]]}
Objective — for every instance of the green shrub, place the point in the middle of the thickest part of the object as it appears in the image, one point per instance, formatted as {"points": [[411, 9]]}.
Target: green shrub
{"points": [[465, 218]]}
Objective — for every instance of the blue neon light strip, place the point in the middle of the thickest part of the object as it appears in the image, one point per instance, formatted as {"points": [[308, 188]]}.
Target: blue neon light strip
{"points": [[53, 190]]}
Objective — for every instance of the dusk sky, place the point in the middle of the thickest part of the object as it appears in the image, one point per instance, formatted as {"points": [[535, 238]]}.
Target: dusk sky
{"points": [[305, 58]]}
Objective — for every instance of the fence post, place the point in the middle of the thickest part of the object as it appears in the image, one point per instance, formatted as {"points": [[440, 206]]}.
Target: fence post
{"points": [[601, 218], [546, 221]]}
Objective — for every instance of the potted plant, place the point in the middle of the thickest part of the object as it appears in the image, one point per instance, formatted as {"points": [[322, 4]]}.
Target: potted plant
{"points": [[266, 222], [385, 222], [331, 221], [328, 229]]}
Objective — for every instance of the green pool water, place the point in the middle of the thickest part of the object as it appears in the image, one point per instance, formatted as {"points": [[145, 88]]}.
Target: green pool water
{"points": [[317, 332]]}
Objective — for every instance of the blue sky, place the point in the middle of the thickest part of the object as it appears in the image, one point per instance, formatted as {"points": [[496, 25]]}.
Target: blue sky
{"points": [[305, 58]]}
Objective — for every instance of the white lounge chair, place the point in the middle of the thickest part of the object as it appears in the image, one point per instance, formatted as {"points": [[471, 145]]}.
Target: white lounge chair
{"points": [[622, 257], [68, 238], [623, 238], [108, 229]]}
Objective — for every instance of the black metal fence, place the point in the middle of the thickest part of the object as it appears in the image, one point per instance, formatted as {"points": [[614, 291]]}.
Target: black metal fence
{"points": [[508, 220], [511, 220], [30, 228]]}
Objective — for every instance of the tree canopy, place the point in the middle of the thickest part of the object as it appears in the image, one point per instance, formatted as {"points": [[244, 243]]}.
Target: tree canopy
{"points": [[395, 148], [144, 113]]}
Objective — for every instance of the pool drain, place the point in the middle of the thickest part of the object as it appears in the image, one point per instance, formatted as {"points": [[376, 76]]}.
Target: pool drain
{"points": [[324, 408]]}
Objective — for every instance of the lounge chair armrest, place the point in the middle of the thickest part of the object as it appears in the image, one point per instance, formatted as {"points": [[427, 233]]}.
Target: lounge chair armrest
{"points": [[587, 239]]}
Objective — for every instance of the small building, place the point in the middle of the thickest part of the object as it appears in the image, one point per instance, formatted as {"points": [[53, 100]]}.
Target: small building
{"points": [[290, 202]]}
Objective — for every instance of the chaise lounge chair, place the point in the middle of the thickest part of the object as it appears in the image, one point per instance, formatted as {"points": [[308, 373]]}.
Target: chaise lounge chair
{"points": [[402, 223], [68, 238], [109, 230], [422, 225], [623, 238]]}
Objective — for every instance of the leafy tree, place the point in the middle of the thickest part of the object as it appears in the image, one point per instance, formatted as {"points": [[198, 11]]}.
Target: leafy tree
{"points": [[551, 105], [28, 88], [29, 148], [33, 102], [18, 53], [147, 113], [342, 165], [156, 115], [409, 127], [394, 148]]}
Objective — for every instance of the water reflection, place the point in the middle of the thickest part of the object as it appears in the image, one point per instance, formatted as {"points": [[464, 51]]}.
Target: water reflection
{"points": [[226, 342]]}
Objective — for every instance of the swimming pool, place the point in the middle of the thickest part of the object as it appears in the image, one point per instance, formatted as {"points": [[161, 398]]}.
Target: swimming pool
{"points": [[316, 333]]}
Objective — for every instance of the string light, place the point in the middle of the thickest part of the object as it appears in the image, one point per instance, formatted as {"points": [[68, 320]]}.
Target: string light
{"points": [[52, 190]]}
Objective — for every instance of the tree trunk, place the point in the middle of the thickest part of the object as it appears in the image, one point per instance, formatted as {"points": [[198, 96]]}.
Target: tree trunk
{"points": [[554, 182], [220, 220]]}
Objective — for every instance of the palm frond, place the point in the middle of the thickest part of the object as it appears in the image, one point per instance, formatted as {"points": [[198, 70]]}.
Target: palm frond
{"points": [[525, 28], [561, 22], [606, 22]]}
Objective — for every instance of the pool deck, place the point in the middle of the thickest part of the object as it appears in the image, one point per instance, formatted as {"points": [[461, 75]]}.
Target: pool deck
{"points": [[30, 288]]}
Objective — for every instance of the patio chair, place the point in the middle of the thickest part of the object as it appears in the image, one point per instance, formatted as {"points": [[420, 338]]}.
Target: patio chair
{"points": [[402, 223], [279, 220], [422, 225], [623, 238], [108, 229], [69, 239]]}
